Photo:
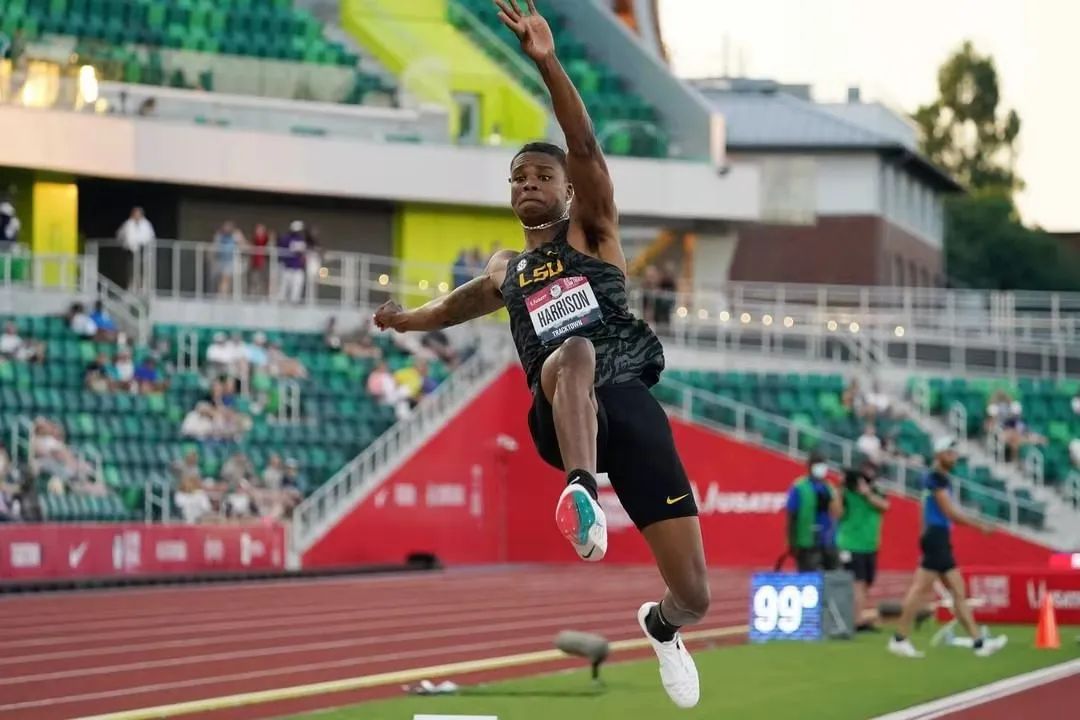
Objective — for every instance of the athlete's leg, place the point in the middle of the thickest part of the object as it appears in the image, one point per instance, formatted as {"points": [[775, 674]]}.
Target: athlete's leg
{"points": [[567, 381], [954, 583], [676, 545], [921, 586]]}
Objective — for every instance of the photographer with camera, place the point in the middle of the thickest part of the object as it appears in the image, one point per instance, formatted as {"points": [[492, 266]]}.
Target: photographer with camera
{"points": [[813, 506], [859, 533]]}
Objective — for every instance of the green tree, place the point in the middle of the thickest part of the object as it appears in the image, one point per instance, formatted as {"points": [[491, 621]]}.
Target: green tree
{"points": [[987, 247], [968, 134], [965, 131]]}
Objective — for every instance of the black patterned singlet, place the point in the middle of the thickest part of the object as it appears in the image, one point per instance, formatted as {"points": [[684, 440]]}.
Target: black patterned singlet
{"points": [[554, 292]]}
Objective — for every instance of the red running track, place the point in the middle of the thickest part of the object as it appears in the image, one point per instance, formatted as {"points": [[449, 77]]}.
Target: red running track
{"points": [[1058, 699], [79, 654]]}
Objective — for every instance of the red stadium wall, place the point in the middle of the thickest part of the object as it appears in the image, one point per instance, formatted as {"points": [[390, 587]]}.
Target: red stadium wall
{"points": [[468, 500]]}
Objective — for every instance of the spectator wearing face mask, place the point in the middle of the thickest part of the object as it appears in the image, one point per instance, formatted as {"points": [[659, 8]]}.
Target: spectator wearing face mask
{"points": [[813, 507]]}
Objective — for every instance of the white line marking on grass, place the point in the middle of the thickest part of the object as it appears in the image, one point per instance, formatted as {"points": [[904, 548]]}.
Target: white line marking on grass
{"points": [[986, 693]]}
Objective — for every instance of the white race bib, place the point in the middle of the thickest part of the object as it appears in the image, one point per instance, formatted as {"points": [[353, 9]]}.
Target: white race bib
{"points": [[564, 306]]}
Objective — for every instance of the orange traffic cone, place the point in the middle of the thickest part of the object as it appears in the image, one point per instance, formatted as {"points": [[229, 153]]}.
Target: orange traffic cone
{"points": [[1046, 635]]}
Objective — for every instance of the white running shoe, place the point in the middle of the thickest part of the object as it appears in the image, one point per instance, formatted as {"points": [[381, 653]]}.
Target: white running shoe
{"points": [[904, 648], [581, 521], [678, 673], [992, 645]]}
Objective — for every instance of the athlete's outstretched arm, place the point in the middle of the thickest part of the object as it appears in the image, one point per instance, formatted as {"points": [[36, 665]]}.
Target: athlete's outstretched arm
{"points": [[474, 299], [594, 194]]}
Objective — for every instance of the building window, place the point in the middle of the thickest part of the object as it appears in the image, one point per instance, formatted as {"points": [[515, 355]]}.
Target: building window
{"points": [[913, 274], [898, 272], [924, 274]]}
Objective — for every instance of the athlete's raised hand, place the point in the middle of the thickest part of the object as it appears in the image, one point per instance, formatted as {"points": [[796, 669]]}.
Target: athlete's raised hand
{"points": [[391, 316], [531, 28]]}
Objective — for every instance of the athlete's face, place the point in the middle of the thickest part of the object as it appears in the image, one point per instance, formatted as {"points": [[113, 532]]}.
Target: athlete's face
{"points": [[539, 189], [948, 459]]}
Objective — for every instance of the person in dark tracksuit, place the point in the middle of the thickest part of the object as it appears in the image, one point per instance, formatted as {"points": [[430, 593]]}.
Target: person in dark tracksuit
{"points": [[939, 513]]}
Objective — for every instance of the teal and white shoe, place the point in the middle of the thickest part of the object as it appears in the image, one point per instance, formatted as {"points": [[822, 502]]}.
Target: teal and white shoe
{"points": [[581, 521]]}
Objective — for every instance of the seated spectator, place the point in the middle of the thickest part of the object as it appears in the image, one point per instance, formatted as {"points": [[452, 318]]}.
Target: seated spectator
{"points": [[192, 499], [199, 423], [257, 353], [273, 473], [869, 444], [10, 501], [5, 463], [1074, 453], [293, 482], [106, 326], [49, 453], [148, 378], [415, 380], [239, 501], [189, 464], [97, 377], [438, 342], [13, 347], [1076, 404], [875, 402], [382, 386], [281, 365], [80, 322], [236, 468], [122, 371], [410, 343], [227, 356]]}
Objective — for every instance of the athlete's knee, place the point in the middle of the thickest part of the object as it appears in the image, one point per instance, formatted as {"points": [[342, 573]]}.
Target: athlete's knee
{"points": [[577, 356]]}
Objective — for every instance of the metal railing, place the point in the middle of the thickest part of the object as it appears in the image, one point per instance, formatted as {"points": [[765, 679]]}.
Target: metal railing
{"points": [[751, 424], [48, 272], [338, 493], [128, 309]]}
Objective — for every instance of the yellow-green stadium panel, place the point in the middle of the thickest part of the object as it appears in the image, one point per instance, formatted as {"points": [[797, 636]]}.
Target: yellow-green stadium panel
{"points": [[430, 238], [433, 60]]}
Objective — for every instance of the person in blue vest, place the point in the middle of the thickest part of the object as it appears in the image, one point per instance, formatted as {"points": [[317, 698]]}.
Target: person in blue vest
{"points": [[939, 514], [813, 507]]}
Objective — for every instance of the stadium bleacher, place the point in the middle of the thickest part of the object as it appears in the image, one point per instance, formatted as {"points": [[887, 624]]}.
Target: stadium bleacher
{"points": [[815, 404], [124, 39], [1046, 407], [138, 436]]}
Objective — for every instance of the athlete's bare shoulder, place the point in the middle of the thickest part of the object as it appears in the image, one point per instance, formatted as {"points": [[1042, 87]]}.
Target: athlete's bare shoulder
{"points": [[496, 267]]}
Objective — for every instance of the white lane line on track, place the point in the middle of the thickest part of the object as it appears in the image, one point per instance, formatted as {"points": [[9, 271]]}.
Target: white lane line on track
{"points": [[616, 615], [986, 693], [411, 620], [339, 685]]}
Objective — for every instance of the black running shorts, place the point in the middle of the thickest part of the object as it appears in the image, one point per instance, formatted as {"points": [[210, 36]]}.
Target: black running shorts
{"points": [[634, 447], [937, 554], [862, 565]]}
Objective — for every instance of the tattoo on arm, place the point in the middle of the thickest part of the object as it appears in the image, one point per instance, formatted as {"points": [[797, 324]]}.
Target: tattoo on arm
{"points": [[473, 299]]}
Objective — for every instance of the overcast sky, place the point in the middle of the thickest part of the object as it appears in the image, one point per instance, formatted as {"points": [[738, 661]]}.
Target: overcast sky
{"points": [[892, 52]]}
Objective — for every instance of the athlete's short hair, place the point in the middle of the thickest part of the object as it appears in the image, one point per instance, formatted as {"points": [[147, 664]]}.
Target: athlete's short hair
{"points": [[543, 148]]}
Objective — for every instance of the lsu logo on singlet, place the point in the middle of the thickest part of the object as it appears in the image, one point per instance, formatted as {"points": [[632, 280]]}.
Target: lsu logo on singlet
{"points": [[563, 307], [547, 271]]}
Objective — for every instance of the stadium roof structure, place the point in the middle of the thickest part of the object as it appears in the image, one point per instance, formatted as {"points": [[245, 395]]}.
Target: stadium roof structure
{"points": [[766, 116]]}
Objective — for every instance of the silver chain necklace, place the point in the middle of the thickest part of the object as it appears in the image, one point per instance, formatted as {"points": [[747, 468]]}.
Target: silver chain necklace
{"points": [[553, 223]]}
